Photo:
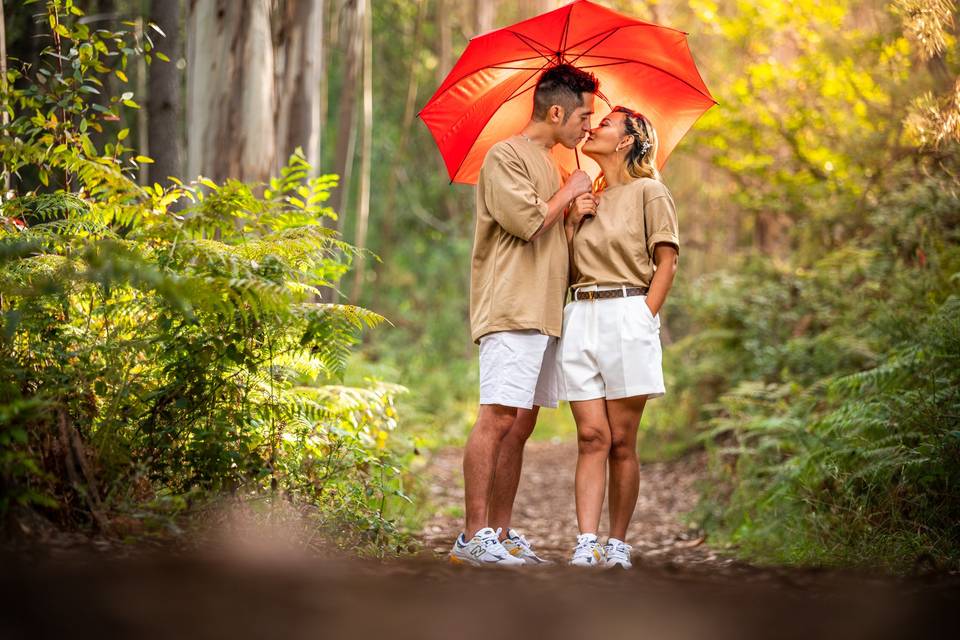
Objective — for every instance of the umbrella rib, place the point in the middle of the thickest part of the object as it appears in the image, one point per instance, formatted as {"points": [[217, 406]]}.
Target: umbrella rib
{"points": [[517, 95], [566, 30], [647, 64], [470, 73], [596, 44], [498, 66], [527, 40], [602, 34], [595, 66], [517, 92], [464, 159]]}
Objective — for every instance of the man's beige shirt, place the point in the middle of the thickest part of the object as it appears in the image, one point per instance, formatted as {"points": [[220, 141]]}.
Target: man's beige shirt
{"points": [[515, 283], [616, 246]]}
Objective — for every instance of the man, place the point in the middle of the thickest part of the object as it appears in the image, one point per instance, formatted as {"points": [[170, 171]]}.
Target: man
{"points": [[517, 289]]}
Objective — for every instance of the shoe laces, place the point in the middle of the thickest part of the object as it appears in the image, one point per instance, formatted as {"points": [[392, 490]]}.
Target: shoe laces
{"points": [[584, 545], [618, 547], [491, 542], [520, 541]]}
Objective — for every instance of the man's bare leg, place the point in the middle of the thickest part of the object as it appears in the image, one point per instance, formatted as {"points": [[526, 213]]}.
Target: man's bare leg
{"points": [[506, 479], [479, 461]]}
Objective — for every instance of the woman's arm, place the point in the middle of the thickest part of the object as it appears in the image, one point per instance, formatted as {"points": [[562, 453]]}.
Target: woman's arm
{"points": [[582, 205], [666, 258]]}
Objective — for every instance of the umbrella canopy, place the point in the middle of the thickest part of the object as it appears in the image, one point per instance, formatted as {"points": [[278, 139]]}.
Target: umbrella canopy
{"points": [[488, 95]]}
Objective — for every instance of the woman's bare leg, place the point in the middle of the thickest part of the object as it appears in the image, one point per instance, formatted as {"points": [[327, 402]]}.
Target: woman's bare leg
{"points": [[624, 419], [593, 444]]}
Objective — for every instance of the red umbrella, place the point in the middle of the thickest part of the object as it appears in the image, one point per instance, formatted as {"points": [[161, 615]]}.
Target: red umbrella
{"points": [[488, 95]]}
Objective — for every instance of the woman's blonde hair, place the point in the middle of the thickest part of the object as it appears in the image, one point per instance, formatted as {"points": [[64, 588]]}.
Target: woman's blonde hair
{"points": [[642, 154]]}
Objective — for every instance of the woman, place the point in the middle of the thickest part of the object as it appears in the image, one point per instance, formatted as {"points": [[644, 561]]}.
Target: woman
{"points": [[624, 247]]}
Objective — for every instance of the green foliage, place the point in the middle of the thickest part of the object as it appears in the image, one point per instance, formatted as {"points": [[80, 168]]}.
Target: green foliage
{"points": [[831, 391], [160, 344]]}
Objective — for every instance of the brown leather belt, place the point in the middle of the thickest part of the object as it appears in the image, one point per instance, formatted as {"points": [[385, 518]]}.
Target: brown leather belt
{"points": [[579, 295]]}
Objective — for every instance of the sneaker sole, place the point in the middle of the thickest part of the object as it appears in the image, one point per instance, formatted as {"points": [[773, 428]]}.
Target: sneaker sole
{"points": [[461, 562]]}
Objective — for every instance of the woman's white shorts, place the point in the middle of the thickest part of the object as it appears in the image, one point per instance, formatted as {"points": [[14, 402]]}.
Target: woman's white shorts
{"points": [[610, 349], [518, 369]]}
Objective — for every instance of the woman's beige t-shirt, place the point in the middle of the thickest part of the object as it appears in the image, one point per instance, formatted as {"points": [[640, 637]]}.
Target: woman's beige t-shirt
{"points": [[616, 245], [515, 283]]}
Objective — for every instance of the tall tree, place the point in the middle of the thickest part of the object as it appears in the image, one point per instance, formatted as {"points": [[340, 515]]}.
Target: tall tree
{"points": [[366, 151], [231, 130], [351, 27], [164, 131], [3, 87], [300, 68], [401, 154], [485, 12]]}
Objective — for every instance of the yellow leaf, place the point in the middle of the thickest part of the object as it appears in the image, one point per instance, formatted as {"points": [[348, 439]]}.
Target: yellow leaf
{"points": [[123, 134], [121, 75], [144, 159]]}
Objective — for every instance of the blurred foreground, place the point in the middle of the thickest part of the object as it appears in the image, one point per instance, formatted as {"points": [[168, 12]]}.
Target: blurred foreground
{"points": [[260, 597], [246, 579]]}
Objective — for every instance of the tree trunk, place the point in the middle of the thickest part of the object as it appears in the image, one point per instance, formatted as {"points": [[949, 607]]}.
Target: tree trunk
{"points": [[299, 61], [164, 135], [366, 150], [352, 27], [485, 13], [230, 90], [3, 90], [446, 47], [400, 156]]}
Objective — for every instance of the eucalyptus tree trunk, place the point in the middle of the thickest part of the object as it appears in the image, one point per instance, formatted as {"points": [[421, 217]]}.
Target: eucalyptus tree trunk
{"points": [[484, 13], [351, 39], [231, 130], [3, 90], [366, 149], [299, 74], [164, 106]]}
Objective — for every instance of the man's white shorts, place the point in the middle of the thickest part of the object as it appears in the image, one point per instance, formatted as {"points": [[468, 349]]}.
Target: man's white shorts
{"points": [[610, 349], [518, 369]]}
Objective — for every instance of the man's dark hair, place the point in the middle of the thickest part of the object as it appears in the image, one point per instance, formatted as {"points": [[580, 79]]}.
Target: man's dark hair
{"points": [[562, 85]]}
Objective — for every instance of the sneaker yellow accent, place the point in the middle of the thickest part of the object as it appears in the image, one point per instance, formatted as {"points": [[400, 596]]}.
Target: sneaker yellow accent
{"points": [[454, 560]]}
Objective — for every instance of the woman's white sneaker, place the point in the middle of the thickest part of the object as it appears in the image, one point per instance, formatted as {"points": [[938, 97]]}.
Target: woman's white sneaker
{"points": [[617, 554], [588, 552], [483, 550]]}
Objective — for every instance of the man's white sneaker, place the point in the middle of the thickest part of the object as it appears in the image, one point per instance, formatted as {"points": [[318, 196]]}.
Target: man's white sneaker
{"points": [[517, 546], [483, 550], [618, 554], [588, 552]]}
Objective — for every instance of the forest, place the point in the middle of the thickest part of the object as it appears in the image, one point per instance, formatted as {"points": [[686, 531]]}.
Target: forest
{"points": [[233, 268]]}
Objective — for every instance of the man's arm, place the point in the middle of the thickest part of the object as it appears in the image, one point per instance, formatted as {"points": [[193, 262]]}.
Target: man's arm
{"points": [[578, 183]]}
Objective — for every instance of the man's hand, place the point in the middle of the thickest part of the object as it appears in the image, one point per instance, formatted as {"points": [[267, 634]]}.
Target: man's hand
{"points": [[578, 183]]}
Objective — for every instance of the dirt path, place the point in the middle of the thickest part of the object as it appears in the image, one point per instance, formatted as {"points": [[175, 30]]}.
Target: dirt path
{"points": [[544, 510], [258, 587]]}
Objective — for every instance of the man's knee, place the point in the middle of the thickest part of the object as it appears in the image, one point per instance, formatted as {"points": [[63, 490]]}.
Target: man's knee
{"points": [[496, 420], [523, 426], [593, 439]]}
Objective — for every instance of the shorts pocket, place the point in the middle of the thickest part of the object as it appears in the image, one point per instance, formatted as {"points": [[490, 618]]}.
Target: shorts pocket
{"points": [[652, 320]]}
